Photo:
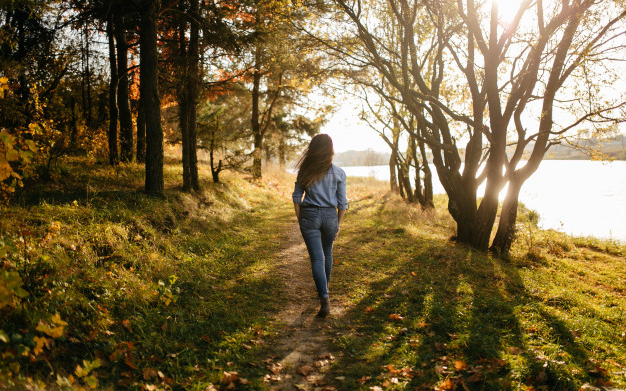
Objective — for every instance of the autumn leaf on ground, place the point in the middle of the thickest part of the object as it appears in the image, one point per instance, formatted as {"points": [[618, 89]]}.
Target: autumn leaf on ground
{"points": [[229, 377], [369, 309], [321, 363], [392, 370], [446, 385], [304, 370], [275, 368], [149, 373], [129, 360], [396, 317], [326, 356], [460, 365], [127, 326]]}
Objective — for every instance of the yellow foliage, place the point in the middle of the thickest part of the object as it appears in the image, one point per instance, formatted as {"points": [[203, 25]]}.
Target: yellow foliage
{"points": [[39, 343], [54, 331], [56, 318]]}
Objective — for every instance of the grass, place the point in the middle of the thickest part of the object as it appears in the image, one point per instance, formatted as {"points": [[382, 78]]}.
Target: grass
{"points": [[178, 292], [170, 291], [427, 313]]}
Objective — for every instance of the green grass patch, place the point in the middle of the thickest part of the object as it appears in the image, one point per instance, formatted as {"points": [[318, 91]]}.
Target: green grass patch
{"points": [[427, 313], [103, 286], [158, 291]]}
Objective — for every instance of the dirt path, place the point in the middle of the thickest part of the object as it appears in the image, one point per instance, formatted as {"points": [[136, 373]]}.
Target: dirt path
{"points": [[301, 351]]}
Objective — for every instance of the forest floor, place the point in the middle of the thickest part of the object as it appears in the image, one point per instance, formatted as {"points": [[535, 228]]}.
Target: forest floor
{"points": [[104, 287]]}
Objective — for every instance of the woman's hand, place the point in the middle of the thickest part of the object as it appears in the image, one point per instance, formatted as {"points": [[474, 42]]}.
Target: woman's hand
{"points": [[338, 229]]}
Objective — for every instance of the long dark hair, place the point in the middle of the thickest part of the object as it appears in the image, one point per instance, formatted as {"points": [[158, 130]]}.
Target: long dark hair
{"points": [[315, 160]]}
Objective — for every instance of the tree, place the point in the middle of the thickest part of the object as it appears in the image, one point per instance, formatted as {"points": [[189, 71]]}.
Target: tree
{"points": [[222, 130], [113, 111], [473, 77], [123, 103], [149, 91], [285, 66]]}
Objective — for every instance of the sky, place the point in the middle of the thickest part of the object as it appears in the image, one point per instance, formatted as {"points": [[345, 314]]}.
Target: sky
{"points": [[349, 132]]}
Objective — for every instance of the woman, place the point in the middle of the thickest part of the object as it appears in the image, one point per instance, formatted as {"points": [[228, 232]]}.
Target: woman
{"points": [[323, 185]]}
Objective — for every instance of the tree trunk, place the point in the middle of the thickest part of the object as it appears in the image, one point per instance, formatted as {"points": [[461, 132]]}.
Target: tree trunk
{"points": [[87, 104], [73, 125], [141, 132], [488, 208], [113, 113], [406, 183], [282, 160], [194, 86], [400, 183], [215, 172], [428, 178], [183, 96], [506, 227], [393, 180], [123, 102], [149, 90], [257, 154]]}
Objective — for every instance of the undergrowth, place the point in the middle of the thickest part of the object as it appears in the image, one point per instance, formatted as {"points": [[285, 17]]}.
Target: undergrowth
{"points": [[105, 287]]}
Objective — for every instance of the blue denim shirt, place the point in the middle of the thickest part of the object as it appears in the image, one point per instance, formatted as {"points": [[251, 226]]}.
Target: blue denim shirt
{"points": [[328, 192]]}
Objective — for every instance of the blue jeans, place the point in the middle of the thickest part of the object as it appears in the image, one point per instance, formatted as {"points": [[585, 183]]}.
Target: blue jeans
{"points": [[319, 227]]}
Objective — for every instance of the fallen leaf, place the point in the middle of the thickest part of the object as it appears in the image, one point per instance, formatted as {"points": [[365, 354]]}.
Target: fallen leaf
{"points": [[327, 356], [127, 326], [316, 379], [369, 309], [392, 370], [396, 317], [129, 360], [206, 338], [304, 370], [460, 365], [446, 385], [229, 377], [514, 350], [414, 274], [321, 363], [149, 373], [364, 379], [275, 368]]}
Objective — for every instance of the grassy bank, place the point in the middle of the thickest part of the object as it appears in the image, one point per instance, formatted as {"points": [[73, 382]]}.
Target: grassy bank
{"points": [[427, 313], [149, 291], [105, 287]]}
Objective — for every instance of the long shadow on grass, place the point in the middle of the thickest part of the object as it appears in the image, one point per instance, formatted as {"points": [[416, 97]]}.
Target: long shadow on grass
{"points": [[439, 310]]}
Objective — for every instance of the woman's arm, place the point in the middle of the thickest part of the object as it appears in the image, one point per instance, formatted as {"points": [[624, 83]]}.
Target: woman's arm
{"points": [[340, 214], [296, 207]]}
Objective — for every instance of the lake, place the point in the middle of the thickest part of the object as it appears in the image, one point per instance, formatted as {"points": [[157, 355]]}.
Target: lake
{"points": [[579, 197]]}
